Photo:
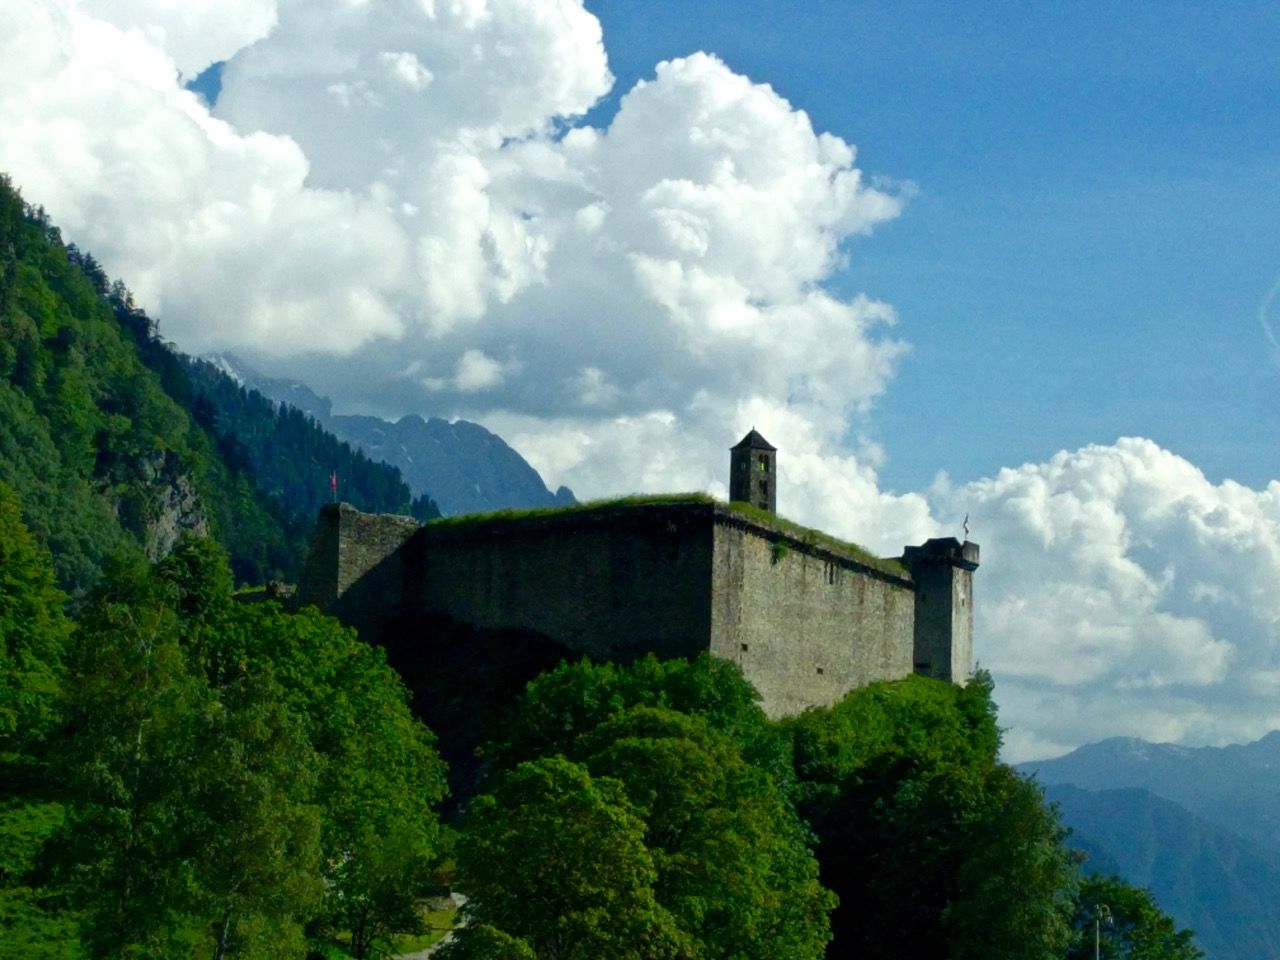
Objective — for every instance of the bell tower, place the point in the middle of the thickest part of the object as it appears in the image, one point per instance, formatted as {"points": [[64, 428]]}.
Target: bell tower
{"points": [[753, 472]]}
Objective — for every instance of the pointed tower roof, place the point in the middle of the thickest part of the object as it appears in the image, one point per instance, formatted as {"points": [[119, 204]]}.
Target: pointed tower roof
{"points": [[753, 441]]}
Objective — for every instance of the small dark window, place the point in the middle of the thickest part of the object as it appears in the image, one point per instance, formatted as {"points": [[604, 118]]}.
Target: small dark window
{"points": [[764, 487], [744, 647], [819, 671]]}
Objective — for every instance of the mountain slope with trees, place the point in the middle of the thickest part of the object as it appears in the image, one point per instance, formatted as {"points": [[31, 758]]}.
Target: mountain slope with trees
{"points": [[464, 467], [1222, 885], [1232, 786], [111, 449], [188, 773]]}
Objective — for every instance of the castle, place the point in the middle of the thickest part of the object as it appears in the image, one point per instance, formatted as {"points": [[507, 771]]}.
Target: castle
{"points": [[807, 617]]}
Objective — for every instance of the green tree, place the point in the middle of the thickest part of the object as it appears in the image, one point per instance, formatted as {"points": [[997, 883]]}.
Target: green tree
{"points": [[252, 826], [562, 704], [200, 575], [135, 712], [379, 779], [934, 848], [732, 864], [1128, 925], [1012, 842], [555, 860], [696, 756], [483, 942], [192, 825], [237, 772], [36, 922], [33, 632]]}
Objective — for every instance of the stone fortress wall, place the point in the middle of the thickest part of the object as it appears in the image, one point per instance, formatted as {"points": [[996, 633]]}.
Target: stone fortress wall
{"points": [[806, 618], [806, 624]]}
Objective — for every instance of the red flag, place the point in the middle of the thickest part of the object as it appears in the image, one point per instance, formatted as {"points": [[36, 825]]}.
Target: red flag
{"points": [[333, 484]]}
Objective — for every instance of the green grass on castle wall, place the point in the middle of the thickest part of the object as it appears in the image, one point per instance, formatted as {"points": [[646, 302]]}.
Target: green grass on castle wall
{"points": [[593, 506], [816, 538], [806, 535]]}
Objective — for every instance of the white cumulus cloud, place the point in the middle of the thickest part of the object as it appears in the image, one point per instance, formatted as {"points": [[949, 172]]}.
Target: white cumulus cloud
{"points": [[398, 189], [1123, 593], [400, 203], [194, 33]]}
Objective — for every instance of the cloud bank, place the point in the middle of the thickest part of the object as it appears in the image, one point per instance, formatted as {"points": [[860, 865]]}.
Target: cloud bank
{"points": [[401, 203], [1125, 594], [398, 201]]}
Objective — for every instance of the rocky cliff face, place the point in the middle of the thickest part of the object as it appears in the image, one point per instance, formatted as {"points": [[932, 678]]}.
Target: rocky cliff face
{"points": [[178, 511], [172, 506]]}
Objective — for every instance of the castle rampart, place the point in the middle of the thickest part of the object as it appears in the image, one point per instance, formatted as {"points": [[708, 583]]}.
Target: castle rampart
{"points": [[807, 624], [806, 617], [613, 583]]}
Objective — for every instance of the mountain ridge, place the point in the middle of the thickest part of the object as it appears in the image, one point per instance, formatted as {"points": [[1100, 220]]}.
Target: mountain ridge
{"points": [[462, 465], [1235, 787], [1209, 879]]}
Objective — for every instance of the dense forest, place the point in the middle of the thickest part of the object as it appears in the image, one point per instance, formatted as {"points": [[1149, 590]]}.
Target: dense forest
{"points": [[290, 456], [189, 771], [115, 443]]}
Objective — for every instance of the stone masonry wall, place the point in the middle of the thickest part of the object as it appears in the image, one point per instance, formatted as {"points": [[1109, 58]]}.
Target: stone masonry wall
{"points": [[355, 570], [806, 624], [944, 618], [807, 621], [614, 583]]}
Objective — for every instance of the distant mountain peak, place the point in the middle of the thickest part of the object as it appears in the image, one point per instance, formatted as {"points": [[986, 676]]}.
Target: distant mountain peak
{"points": [[461, 465], [1234, 786], [227, 364]]}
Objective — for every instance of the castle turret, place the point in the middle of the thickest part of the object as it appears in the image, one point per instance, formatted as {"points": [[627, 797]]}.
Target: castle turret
{"points": [[356, 568], [943, 572], [753, 472]]}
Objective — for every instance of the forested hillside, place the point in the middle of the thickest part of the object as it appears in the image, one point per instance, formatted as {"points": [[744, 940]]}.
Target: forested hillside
{"points": [[1225, 886], [186, 773], [290, 455], [464, 467], [112, 450]]}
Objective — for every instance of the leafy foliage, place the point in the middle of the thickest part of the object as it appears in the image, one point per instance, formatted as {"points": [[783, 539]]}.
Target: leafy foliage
{"points": [[237, 773], [33, 631], [733, 866], [1124, 923], [556, 861], [923, 834], [731, 870], [35, 923], [563, 704]]}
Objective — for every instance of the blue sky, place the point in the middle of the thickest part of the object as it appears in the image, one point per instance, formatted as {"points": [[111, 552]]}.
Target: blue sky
{"points": [[570, 224], [1097, 216]]}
